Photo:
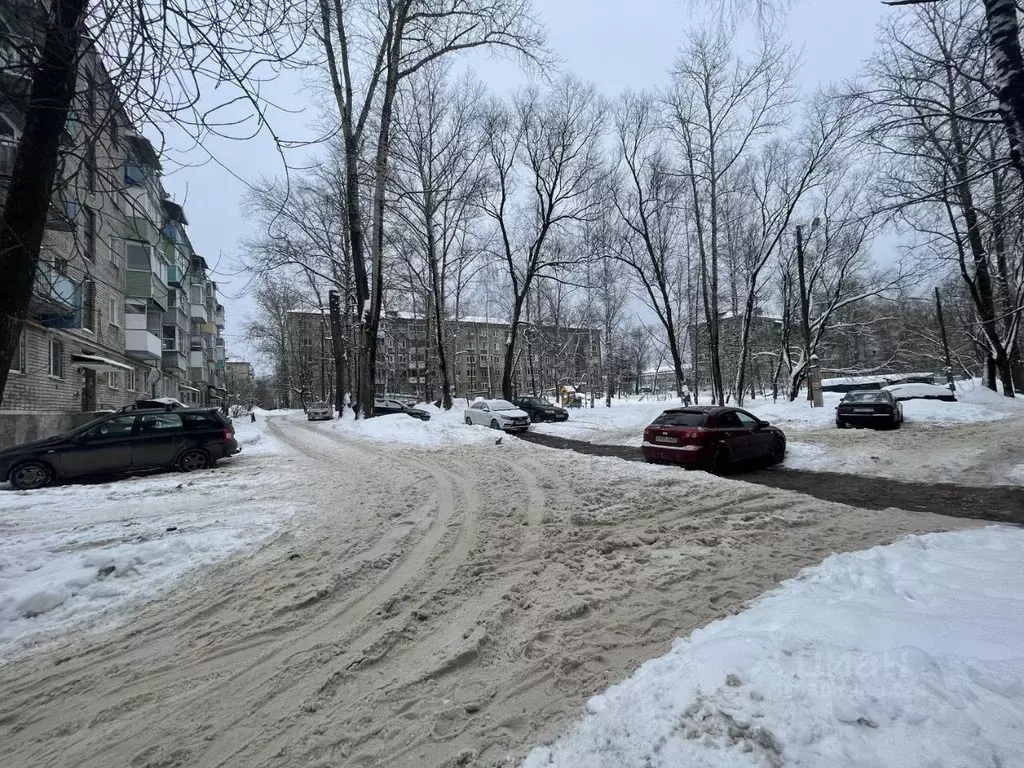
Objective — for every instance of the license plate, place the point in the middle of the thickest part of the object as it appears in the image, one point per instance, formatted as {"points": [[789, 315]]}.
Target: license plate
{"points": [[863, 410], [665, 439]]}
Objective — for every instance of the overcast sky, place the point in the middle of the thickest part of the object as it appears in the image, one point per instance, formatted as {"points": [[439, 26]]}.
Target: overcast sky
{"points": [[598, 40]]}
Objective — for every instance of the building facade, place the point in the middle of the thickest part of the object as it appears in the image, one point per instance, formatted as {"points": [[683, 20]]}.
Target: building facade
{"points": [[110, 318], [547, 357]]}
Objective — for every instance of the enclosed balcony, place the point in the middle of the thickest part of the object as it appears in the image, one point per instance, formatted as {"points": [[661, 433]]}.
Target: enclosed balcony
{"points": [[56, 298]]}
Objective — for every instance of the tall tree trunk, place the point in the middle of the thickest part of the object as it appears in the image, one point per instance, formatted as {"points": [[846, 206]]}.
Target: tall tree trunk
{"points": [[30, 190], [510, 349], [1008, 69]]}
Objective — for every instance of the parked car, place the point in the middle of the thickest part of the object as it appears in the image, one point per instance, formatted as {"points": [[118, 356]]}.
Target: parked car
{"points": [[388, 407], [121, 443], [712, 437], [319, 412], [498, 414], [875, 408], [540, 409]]}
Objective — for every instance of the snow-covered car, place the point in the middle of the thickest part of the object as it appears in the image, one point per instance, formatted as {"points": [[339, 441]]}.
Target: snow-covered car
{"points": [[874, 408], [902, 392], [320, 412], [498, 414], [389, 406]]}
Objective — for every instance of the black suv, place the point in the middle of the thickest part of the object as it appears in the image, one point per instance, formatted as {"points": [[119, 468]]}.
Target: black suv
{"points": [[540, 409], [119, 443]]}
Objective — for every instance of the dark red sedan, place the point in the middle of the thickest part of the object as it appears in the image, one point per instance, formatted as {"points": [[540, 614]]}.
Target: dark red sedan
{"points": [[712, 437]]}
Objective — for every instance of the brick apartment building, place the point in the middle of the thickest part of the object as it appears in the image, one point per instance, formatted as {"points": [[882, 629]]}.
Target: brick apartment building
{"points": [[407, 362], [122, 307]]}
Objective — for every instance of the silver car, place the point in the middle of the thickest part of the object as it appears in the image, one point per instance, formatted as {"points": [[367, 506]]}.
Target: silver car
{"points": [[320, 412], [498, 414]]}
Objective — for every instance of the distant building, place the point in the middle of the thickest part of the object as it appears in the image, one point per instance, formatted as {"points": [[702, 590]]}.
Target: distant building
{"points": [[407, 360], [239, 382]]}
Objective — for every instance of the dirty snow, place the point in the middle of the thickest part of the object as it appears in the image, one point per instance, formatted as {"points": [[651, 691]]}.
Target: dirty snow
{"points": [[80, 556], [907, 654]]}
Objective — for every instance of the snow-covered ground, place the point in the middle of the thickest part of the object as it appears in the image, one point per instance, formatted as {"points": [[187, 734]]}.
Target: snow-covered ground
{"points": [[908, 654], [80, 556], [974, 440]]}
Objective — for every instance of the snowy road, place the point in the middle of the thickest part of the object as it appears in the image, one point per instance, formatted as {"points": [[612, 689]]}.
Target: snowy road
{"points": [[420, 606]]}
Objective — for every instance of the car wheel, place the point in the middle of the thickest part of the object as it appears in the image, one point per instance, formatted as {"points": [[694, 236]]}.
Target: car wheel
{"points": [[778, 452], [494, 424], [30, 475], [193, 459], [841, 424], [721, 464]]}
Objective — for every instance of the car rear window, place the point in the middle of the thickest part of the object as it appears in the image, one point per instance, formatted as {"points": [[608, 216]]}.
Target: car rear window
{"points": [[681, 419], [200, 421], [866, 397]]}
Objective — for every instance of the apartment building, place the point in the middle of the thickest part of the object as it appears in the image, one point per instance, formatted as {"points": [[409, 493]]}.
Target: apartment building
{"points": [[407, 360], [109, 319]]}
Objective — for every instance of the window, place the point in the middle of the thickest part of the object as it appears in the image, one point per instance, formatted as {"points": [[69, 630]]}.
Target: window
{"points": [[680, 419], [137, 255], [89, 166], [129, 380], [57, 358], [19, 363], [90, 97], [747, 420], [71, 209], [89, 306], [134, 175], [729, 420], [112, 379], [60, 266], [172, 299], [113, 312], [200, 421], [111, 429], [159, 422]]}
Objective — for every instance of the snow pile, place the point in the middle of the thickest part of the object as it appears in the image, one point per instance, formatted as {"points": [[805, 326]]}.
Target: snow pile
{"points": [[1016, 475], [917, 390], [902, 655], [621, 424], [799, 414], [445, 429]]}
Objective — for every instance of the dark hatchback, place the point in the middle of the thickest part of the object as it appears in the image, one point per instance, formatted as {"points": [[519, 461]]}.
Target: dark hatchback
{"points": [[122, 443], [540, 409], [874, 408], [712, 437]]}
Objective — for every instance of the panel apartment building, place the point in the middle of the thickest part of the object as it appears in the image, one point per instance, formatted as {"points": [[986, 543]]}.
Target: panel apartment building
{"points": [[122, 307], [407, 362]]}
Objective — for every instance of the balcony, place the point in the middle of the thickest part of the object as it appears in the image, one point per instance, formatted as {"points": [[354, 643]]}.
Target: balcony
{"points": [[218, 316], [144, 284], [176, 275], [56, 298], [218, 365], [199, 313], [196, 359], [173, 360], [142, 336], [198, 375]]}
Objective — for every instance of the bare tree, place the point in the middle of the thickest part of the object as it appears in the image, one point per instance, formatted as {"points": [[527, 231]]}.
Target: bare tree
{"points": [[649, 198], [549, 142], [438, 179], [944, 174], [370, 47], [721, 106]]}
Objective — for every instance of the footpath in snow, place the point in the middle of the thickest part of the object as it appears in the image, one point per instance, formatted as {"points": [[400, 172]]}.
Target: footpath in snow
{"points": [[904, 655], [80, 556]]}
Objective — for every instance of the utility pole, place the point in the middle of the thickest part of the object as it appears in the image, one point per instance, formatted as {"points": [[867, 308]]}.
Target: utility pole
{"points": [[945, 343]]}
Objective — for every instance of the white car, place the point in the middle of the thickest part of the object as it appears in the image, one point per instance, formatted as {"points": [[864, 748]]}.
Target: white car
{"points": [[498, 414]]}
